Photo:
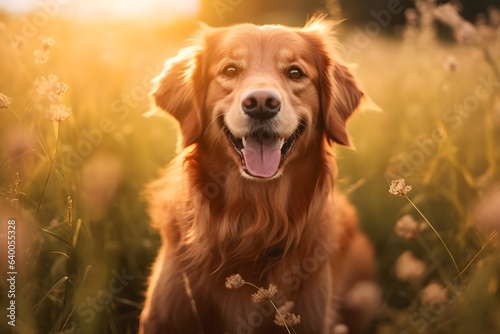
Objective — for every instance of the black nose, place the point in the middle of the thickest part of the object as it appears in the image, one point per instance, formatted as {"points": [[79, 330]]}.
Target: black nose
{"points": [[261, 104]]}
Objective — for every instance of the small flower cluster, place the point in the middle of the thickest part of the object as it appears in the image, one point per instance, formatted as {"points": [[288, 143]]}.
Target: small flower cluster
{"points": [[487, 211], [4, 101], [284, 317], [409, 268], [419, 26], [42, 55], [450, 63], [340, 329], [464, 31], [399, 188], [234, 281], [289, 318], [407, 228], [263, 294], [432, 292], [58, 112], [50, 86]]}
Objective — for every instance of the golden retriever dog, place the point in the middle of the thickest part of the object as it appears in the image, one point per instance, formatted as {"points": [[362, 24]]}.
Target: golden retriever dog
{"points": [[251, 193]]}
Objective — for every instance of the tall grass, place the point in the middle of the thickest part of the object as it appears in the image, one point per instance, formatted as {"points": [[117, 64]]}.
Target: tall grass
{"points": [[74, 185], [438, 134]]}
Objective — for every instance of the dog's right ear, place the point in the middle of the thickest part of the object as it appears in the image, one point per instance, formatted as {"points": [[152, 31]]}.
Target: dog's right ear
{"points": [[178, 90]]}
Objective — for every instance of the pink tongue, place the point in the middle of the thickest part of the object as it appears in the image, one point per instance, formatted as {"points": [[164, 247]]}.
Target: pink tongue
{"points": [[261, 159]]}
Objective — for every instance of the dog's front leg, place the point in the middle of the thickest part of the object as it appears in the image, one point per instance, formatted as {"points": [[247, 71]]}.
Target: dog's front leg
{"points": [[167, 308]]}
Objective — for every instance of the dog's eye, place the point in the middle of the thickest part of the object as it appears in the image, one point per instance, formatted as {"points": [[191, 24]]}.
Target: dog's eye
{"points": [[230, 71], [295, 73]]}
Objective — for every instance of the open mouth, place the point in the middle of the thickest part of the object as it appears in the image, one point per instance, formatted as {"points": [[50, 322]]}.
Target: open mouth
{"points": [[263, 152]]}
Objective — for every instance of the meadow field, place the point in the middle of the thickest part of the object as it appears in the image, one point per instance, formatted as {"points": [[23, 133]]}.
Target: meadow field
{"points": [[78, 145]]}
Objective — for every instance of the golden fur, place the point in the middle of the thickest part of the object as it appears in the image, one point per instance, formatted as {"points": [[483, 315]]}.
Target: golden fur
{"points": [[217, 219]]}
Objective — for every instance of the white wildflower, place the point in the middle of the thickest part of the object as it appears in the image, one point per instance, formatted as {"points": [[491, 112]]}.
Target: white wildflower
{"points": [[408, 228], [464, 31], [399, 188], [434, 291], [450, 63], [234, 281], [41, 56], [47, 42], [50, 86], [58, 112], [408, 268]]}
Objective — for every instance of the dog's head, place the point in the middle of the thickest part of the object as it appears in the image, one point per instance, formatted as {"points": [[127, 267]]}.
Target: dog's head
{"points": [[262, 94]]}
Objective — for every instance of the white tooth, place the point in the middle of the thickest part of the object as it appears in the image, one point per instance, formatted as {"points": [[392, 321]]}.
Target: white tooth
{"points": [[244, 140], [279, 143]]}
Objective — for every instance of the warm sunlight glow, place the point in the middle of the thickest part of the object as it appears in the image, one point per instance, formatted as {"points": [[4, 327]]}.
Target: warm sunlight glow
{"points": [[157, 9], [161, 10]]}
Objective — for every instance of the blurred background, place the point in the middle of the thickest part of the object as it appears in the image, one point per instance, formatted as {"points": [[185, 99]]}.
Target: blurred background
{"points": [[77, 147]]}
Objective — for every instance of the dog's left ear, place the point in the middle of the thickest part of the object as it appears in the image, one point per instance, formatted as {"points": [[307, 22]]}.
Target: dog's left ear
{"points": [[340, 97], [340, 94]]}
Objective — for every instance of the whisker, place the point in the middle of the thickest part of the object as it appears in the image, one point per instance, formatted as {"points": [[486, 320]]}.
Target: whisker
{"points": [[296, 133], [217, 135], [212, 122]]}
